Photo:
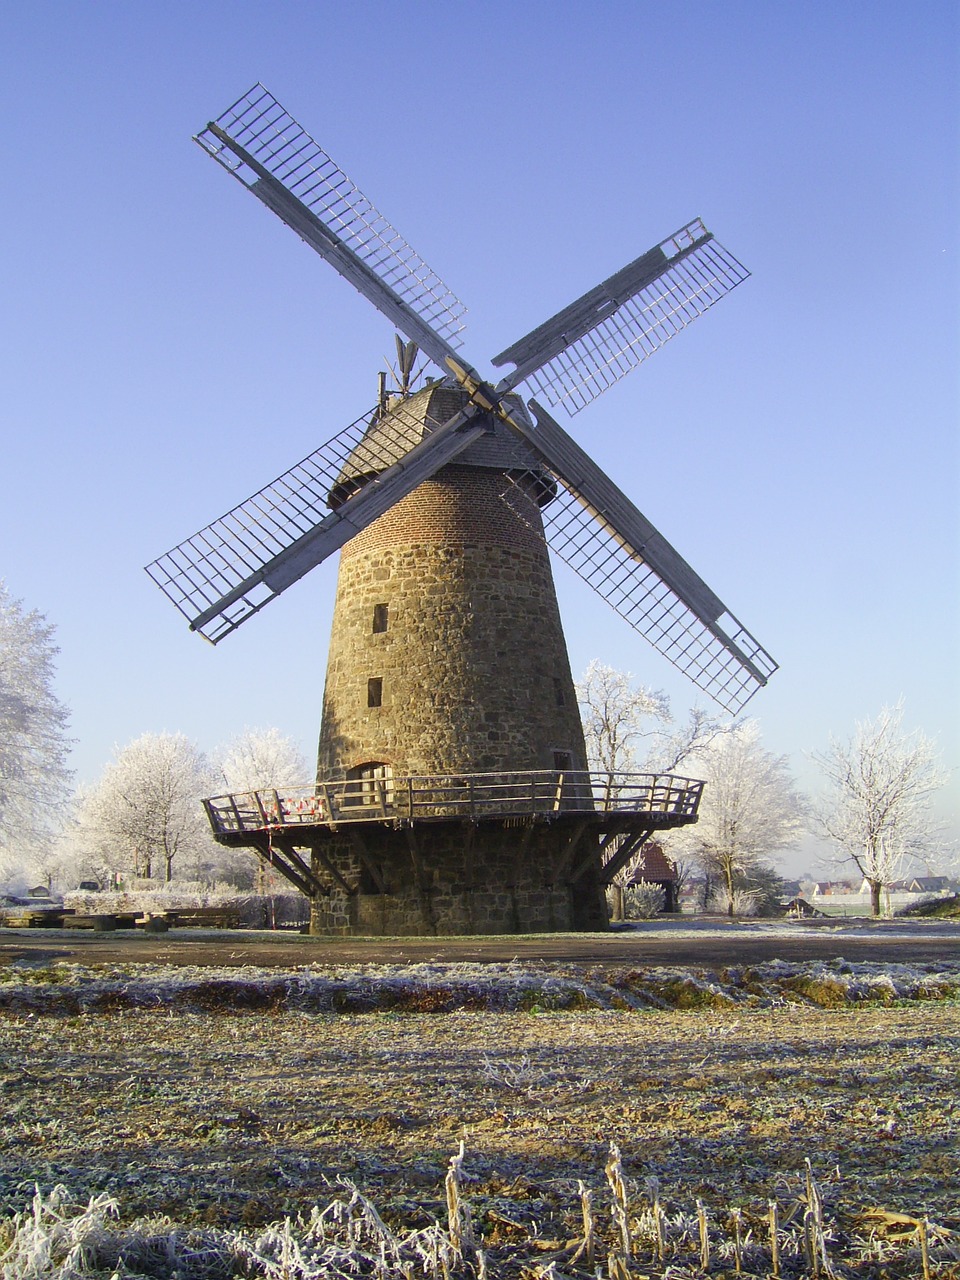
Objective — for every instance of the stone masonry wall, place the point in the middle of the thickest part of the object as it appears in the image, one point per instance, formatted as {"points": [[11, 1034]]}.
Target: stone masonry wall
{"points": [[450, 881], [467, 644]]}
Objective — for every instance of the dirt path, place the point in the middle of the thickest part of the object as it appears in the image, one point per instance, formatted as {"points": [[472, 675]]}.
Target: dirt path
{"points": [[681, 942]]}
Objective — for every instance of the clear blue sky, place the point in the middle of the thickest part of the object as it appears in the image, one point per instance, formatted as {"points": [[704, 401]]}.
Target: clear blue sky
{"points": [[169, 346]]}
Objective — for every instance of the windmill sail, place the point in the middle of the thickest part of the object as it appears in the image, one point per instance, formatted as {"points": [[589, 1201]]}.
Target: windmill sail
{"points": [[597, 530], [230, 570], [583, 350], [261, 145]]}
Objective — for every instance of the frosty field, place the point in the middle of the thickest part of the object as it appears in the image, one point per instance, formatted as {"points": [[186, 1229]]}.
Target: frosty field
{"points": [[229, 1099]]}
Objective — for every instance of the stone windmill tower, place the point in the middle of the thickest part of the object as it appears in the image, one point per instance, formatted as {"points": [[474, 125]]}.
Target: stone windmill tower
{"points": [[452, 792]]}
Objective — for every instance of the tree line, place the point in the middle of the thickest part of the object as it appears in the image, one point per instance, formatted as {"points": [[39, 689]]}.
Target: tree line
{"points": [[874, 809], [143, 817]]}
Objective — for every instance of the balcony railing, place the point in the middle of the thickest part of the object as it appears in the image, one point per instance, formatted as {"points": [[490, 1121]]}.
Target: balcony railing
{"points": [[665, 799]]}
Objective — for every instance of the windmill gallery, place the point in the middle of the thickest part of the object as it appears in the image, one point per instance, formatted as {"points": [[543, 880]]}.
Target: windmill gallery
{"points": [[452, 791]]}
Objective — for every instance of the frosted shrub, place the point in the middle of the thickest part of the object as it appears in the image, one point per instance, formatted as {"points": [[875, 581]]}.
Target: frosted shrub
{"points": [[643, 901], [745, 902]]}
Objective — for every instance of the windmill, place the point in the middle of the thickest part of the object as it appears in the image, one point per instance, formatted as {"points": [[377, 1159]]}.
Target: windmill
{"points": [[452, 791]]}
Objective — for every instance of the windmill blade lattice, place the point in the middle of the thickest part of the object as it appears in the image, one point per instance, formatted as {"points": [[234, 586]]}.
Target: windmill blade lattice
{"points": [[606, 334], [260, 144], [595, 529], [230, 570]]}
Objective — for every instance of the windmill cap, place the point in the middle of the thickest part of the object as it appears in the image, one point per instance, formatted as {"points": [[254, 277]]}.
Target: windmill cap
{"points": [[410, 420]]}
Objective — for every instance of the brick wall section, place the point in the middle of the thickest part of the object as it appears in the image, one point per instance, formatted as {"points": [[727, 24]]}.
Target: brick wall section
{"points": [[459, 507]]}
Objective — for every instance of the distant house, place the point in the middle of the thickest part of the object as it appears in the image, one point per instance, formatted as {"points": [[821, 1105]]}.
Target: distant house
{"points": [[832, 888], [915, 884], [654, 867], [928, 884]]}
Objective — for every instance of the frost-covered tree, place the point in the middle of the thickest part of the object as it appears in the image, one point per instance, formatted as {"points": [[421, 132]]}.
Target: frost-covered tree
{"points": [[260, 758], [629, 728], [877, 806], [619, 718], [750, 810], [145, 812], [34, 778]]}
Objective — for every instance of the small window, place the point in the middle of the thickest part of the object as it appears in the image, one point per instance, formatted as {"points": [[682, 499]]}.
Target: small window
{"points": [[559, 696], [375, 691], [563, 761], [381, 615]]}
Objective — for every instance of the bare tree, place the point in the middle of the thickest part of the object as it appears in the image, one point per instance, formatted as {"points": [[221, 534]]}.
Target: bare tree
{"points": [[261, 758], [618, 717], [256, 760], [146, 810], [750, 810], [34, 778], [877, 808], [628, 728]]}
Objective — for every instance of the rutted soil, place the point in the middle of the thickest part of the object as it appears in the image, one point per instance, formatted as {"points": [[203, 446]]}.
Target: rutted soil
{"points": [[683, 941], [231, 1098], [233, 1119]]}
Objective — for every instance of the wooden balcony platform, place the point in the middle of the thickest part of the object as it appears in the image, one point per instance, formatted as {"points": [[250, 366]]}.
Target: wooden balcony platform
{"points": [[603, 799]]}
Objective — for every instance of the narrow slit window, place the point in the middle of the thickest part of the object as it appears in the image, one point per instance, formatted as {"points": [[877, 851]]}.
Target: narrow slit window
{"points": [[558, 693], [381, 618], [375, 691]]}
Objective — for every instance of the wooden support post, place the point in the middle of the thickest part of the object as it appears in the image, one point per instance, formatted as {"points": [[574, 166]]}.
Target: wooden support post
{"points": [[363, 853], [569, 849], [423, 889], [623, 855], [344, 885], [525, 842], [591, 857], [305, 883]]}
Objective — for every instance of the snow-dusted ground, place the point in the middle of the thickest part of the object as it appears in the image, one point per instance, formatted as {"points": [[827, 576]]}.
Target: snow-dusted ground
{"points": [[787, 927], [28, 985], [237, 1095]]}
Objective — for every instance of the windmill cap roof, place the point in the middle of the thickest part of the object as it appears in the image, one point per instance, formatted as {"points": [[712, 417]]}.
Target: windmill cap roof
{"points": [[409, 421]]}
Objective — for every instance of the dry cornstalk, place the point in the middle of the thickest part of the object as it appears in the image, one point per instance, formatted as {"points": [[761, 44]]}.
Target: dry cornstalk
{"points": [[704, 1236], [774, 1242], [653, 1189], [618, 1203], [817, 1240], [617, 1268], [585, 1249], [923, 1228], [458, 1212], [735, 1216]]}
